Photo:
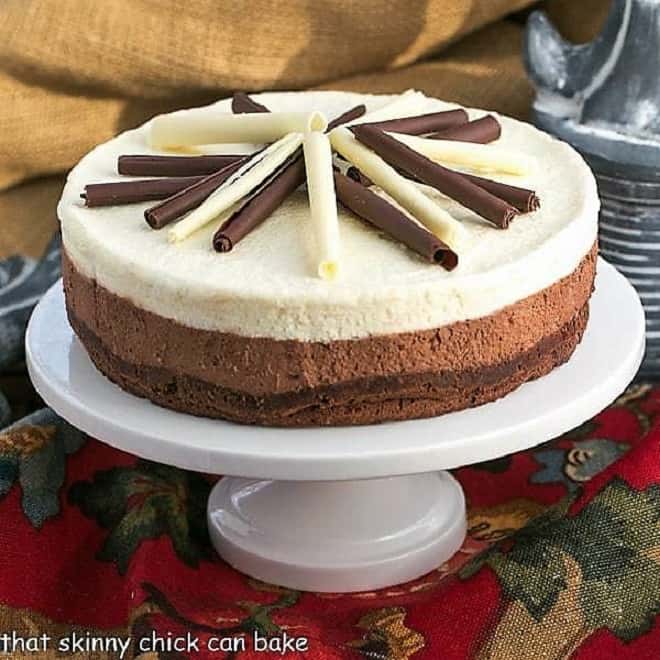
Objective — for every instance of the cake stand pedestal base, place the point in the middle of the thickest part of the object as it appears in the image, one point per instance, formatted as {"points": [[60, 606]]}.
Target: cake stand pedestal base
{"points": [[338, 535]]}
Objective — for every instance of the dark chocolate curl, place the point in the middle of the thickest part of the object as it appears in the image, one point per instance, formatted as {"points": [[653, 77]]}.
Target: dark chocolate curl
{"points": [[143, 165], [450, 183], [187, 199], [349, 115], [376, 210], [422, 124], [484, 130], [261, 203], [130, 192], [524, 200], [242, 103]]}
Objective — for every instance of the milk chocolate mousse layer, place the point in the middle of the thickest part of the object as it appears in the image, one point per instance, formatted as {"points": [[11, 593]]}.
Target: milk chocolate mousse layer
{"points": [[257, 380]]}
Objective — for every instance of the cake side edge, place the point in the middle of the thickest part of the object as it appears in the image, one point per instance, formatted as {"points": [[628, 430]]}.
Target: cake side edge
{"points": [[291, 383]]}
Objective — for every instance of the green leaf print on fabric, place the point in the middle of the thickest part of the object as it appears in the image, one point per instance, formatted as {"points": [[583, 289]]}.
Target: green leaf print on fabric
{"points": [[614, 544], [146, 501]]}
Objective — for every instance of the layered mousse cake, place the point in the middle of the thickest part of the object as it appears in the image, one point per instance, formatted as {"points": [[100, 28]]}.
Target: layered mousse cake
{"points": [[328, 258]]}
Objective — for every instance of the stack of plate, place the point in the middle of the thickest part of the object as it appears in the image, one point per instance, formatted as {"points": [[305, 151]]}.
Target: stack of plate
{"points": [[630, 240]]}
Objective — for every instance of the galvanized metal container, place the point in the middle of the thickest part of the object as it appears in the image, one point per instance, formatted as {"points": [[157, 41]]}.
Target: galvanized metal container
{"points": [[604, 99]]}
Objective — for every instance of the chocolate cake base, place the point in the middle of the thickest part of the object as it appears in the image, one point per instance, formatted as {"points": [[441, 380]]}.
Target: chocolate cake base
{"points": [[363, 381]]}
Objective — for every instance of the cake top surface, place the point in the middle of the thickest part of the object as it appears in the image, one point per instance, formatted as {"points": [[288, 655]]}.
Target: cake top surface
{"points": [[267, 285]]}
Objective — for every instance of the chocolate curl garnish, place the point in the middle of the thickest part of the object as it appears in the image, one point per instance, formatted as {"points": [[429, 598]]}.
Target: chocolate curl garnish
{"points": [[378, 211], [187, 199], [484, 130], [261, 203], [450, 183], [526, 201], [241, 103], [130, 192], [349, 115], [422, 124], [143, 165]]}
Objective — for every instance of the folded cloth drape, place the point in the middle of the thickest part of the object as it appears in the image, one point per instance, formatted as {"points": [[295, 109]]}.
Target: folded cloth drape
{"points": [[151, 49]]}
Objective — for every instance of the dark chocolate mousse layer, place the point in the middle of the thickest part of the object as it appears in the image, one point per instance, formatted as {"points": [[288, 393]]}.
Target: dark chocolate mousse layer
{"points": [[289, 383]]}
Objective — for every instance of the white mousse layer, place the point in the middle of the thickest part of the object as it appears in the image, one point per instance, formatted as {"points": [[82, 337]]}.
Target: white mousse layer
{"points": [[268, 285]]}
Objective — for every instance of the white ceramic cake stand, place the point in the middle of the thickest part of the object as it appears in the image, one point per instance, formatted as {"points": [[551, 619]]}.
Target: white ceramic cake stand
{"points": [[341, 509]]}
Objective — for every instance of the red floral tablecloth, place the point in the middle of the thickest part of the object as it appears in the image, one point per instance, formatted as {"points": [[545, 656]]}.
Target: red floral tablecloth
{"points": [[100, 549]]}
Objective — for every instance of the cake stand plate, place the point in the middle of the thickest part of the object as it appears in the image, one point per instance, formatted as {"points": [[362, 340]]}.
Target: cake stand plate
{"points": [[351, 508]]}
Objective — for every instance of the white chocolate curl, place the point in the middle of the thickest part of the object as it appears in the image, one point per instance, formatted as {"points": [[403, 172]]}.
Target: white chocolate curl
{"points": [[470, 155], [178, 131], [404, 192], [244, 180], [322, 202], [408, 104]]}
